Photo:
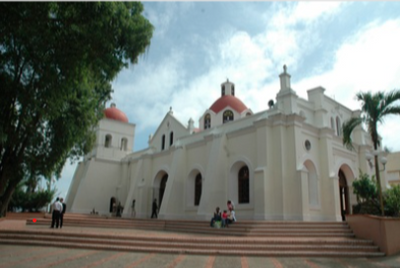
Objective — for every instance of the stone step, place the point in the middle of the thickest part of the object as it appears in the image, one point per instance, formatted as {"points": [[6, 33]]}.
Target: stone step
{"points": [[201, 227], [189, 239], [251, 238], [247, 225], [195, 245], [197, 251]]}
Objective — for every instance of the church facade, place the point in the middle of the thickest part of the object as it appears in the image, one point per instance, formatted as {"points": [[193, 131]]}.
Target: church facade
{"points": [[284, 163]]}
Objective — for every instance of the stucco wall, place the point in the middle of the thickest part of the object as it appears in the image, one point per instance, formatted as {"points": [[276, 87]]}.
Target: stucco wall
{"points": [[97, 185], [385, 232]]}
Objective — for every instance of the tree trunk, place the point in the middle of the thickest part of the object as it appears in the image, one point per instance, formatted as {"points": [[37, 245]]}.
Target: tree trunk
{"points": [[6, 194], [5, 199], [378, 180]]}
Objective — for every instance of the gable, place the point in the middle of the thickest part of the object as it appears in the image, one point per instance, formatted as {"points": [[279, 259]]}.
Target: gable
{"points": [[168, 125]]}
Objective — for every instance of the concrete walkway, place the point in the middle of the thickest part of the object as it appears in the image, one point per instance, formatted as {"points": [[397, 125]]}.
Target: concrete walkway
{"points": [[29, 256]]}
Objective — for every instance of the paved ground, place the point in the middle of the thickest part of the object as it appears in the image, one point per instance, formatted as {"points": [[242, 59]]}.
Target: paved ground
{"points": [[41, 257]]}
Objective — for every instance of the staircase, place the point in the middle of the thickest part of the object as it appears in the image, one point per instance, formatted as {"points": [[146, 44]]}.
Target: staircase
{"points": [[248, 238]]}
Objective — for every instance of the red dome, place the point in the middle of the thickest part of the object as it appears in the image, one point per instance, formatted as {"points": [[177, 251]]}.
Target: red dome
{"points": [[115, 114], [228, 100]]}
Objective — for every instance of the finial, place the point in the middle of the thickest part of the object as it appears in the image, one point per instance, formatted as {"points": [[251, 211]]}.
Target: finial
{"points": [[227, 80], [170, 110], [113, 105], [284, 68]]}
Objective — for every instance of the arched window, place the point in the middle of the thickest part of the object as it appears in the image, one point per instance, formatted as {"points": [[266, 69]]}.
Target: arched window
{"points": [[163, 184], [162, 142], [222, 90], [244, 185], [207, 121], [227, 116], [107, 143], [233, 90], [124, 144], [171, 138], [197, 189], [338, 128]]}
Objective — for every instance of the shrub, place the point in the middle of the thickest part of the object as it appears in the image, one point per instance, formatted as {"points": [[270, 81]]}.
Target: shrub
{"points": [[392, 201], [23, 200], [366, 191], [365, 188]]}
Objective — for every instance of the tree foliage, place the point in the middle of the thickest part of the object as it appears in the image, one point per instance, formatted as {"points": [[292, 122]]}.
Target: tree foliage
{"points": [[375, 107], [25, 199], [392, 200], [57, 61], [364, 188]]}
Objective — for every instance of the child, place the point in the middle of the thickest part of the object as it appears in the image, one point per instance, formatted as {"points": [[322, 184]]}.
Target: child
{"points": [[225, 219]]}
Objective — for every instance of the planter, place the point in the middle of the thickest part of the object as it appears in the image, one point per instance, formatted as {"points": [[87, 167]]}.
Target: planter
{"points": [[384, 231]]}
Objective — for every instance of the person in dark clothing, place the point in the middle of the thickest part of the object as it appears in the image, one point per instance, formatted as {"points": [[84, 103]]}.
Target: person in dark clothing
{"points": [[216, 217], [154, 209], [120, 208], [57, 208], [64, 208]]}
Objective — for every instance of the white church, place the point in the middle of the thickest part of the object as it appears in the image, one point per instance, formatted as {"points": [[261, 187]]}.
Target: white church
{"points": [[284, 163]]}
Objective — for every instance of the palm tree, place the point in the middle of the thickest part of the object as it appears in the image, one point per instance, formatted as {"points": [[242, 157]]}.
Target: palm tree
{"points": [[373, 110]]}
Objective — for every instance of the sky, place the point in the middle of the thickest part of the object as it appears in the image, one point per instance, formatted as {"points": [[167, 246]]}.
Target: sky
{"points": [[345, 47]]}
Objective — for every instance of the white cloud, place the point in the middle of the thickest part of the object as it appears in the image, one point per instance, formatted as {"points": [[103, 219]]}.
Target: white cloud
{"points": [[284, 41], [165, 15], [147, 98], [310, 11]]}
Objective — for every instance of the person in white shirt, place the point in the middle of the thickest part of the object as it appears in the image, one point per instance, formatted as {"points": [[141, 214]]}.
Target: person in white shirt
{"points": [[62, 212], [231, 216], [57, 209]]}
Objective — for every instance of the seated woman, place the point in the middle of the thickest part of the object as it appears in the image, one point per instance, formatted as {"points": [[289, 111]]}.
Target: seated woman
{"points": [[217, 217], [231, 216], [230, 206]]}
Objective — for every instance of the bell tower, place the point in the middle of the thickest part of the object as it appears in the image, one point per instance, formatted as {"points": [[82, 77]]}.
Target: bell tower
{"points": [[227, 88]]}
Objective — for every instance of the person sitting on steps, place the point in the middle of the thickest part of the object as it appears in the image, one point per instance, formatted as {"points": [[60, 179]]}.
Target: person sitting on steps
{"points": [[231, 216], [217, 217], [224, 222]]}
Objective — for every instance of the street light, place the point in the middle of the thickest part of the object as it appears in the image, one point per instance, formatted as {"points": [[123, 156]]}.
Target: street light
{"points": [[370, 156]]}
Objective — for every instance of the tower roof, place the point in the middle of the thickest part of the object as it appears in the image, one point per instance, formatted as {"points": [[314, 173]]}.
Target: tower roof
{"points": [[228, 100], [115, 114]]}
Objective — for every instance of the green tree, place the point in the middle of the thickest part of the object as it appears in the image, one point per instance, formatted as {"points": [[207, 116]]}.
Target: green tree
{"points": [[364, 188], [57, 61], [392, 198], [26, 199], [375, 107]]}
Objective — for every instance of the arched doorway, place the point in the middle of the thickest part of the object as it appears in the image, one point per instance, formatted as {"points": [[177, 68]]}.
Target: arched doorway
{"points": [[344, 195], [244, 185], [113, 202], [163, 184], [197, 189]]}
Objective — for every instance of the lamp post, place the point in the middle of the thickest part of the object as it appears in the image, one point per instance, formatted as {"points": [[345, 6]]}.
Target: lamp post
{"points": [[375, 154]]}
